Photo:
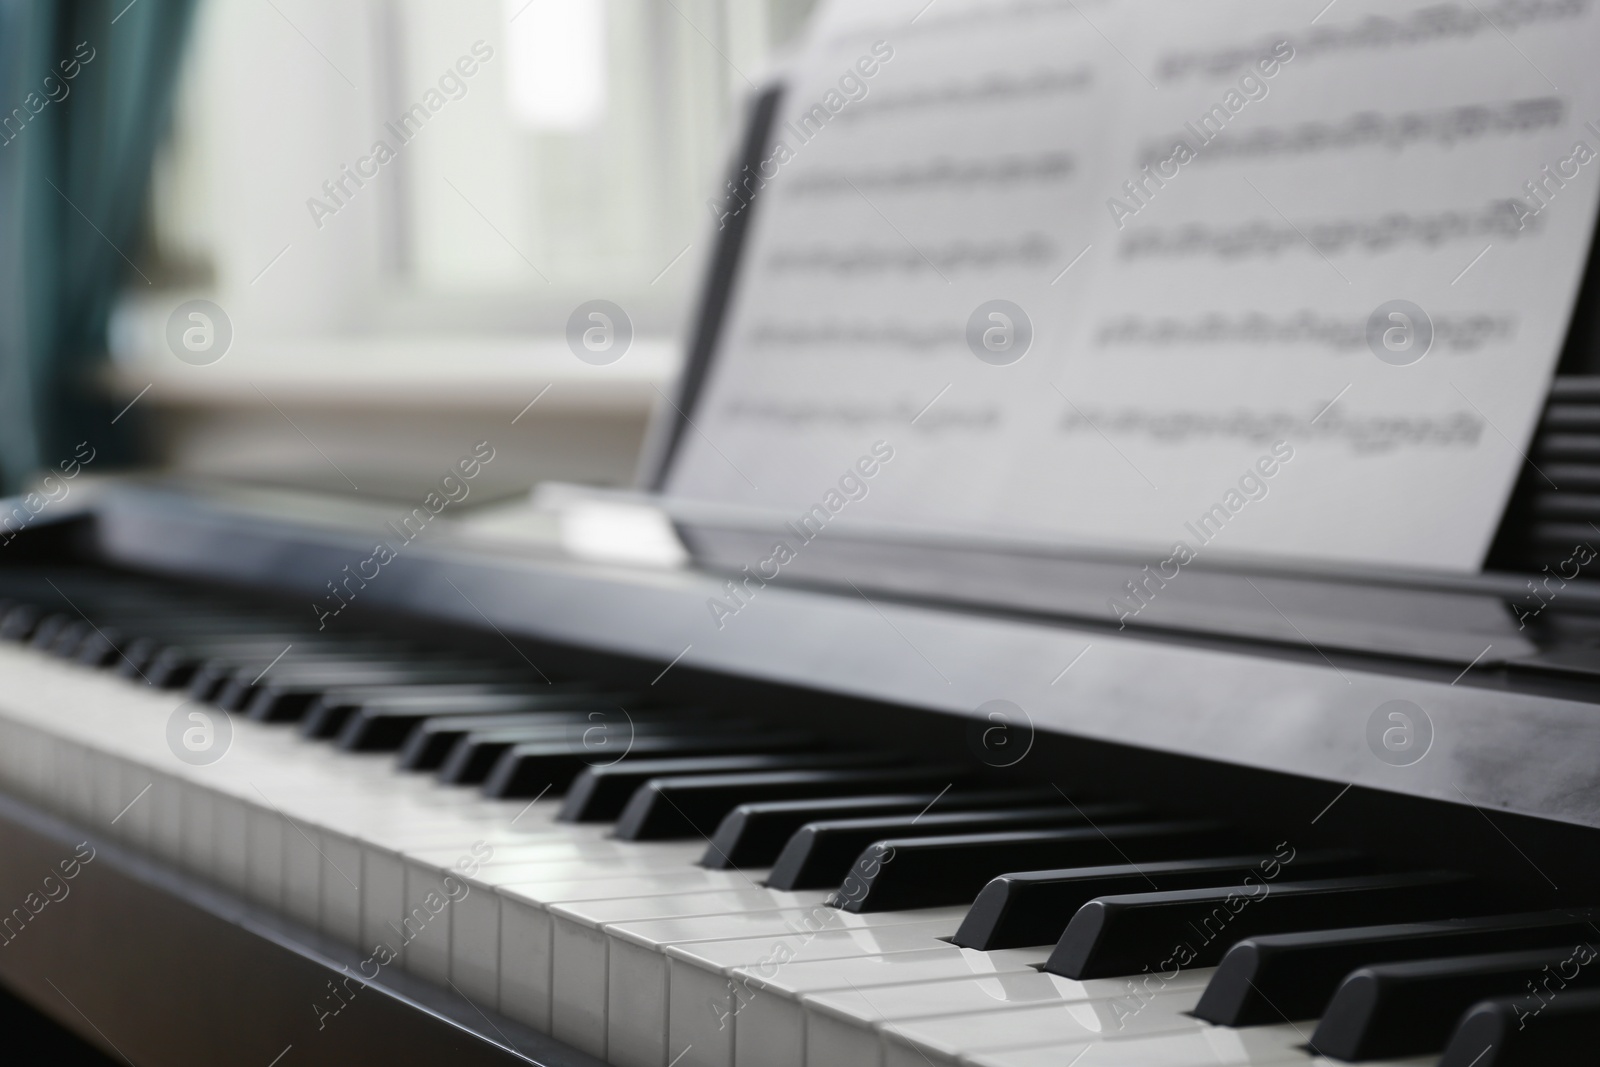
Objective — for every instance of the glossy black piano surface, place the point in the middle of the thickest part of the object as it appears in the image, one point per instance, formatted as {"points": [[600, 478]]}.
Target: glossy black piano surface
{"points": [[1102, 850]]}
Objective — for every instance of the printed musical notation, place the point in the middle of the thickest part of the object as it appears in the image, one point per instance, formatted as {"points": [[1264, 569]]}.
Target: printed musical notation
{"points": [[860, 416], [1364, 435], [1497, 221], [1032, 249], [811, 337], [1283, 333], [1369, 247], [995, 89], [939, 173], [1423, 25], [1373, 129]]}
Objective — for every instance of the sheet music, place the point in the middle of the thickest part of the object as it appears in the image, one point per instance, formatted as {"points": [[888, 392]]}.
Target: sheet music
{"points": [[1296, 275]]}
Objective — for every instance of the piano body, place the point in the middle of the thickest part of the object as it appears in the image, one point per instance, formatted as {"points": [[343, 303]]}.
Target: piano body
{"points": [[501, 796]]}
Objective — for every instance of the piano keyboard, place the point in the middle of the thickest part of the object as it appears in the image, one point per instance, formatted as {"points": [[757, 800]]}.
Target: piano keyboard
{"points": [[665, 886]]}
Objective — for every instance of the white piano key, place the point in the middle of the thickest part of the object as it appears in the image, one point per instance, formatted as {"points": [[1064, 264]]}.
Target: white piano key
{"points": [[54, 777], [137, 815], [581, 954], [166, 807], [446, 844], [475, 921], [556, 846], [46, 775], [21, 753], [637, 989], [526, 890], [115, 790], [44, 771], [265, 864], [12, 738], [524, 979], [610, 881], [232, 842], [1216, 1046], [475, 944], [635, 964], [978, 993], [426, 921], [199, 827], [763, 999], [432, 951], [105, 781], [75, 783], [302, 873], [18, 743], [835, 1029], [831, 1016], [702, 1014], [340, 906], [578, 996], [383, 894]]}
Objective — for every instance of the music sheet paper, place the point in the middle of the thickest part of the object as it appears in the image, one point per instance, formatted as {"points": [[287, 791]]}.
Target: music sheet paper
{"points": [[1296, 274]]}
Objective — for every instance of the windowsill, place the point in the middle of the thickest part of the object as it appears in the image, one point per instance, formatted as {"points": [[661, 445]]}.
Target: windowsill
{"points": [[402, 372]]}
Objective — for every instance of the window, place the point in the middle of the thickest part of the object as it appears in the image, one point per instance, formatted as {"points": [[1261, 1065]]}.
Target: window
{"points": [[573, 162], [399, 203]]}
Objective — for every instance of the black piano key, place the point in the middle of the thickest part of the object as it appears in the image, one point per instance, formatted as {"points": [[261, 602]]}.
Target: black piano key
{"points": [[555, 765], [1575, 388], [1265, 979], [289, 698], [1123, 934], [1572, 416], [101, 648], [216, 666], [665, 809], [931, 872], [136, 656], [159, 659], [290, 687], [1567, 447], [1034, 907], [1391, 1010], [18, 623], [752, 835], [47, 629], [384, 727], [1565, 505], [429, 743], [170, 668], [70, 638], [820, 854], [1527, 1031], [1579, 476], [601, 794], [474, 757], [204, 672], [328, 713]]}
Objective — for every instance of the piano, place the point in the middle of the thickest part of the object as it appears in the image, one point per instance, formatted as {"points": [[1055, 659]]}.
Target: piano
{"points": [[504, 795]]}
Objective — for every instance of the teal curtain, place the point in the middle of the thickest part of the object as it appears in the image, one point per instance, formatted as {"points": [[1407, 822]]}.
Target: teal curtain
{"points": [[85, 94]]}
